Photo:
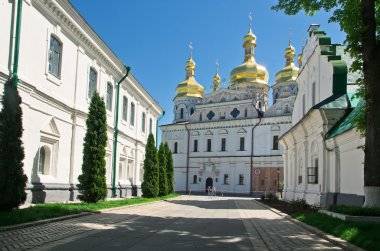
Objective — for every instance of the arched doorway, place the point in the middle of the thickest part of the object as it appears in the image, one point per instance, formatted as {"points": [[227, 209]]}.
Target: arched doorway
{"points": [[208, 183]]}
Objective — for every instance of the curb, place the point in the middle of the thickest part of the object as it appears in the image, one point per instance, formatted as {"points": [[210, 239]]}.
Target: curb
{"points": [[330, 238], [73, 216]]}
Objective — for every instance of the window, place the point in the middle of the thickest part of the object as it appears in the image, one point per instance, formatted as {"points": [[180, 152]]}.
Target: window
{"points": [[245, 113], [195, 145], [303, 104], [275, 142], [109, 96], [143, 122], [55, 51], [241, 179], [195, 179], [286, 110], [242, 139], [150, 125], [44, 160], [92, 82], [312, 173], [175, 147], [200, 117], [313, 94], [222, 115], [208, 145], [226, 179], [181, 114], [125, 108], [191, 111], [223, 148], [132, 119]]}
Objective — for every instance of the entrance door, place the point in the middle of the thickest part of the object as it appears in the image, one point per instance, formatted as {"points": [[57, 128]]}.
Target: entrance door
{"points": [[208, 183]]}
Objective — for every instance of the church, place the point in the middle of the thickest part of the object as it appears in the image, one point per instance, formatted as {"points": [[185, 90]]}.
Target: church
{"points": [[229, 139]]}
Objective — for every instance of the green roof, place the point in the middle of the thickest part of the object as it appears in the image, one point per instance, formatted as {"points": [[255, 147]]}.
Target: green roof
{"points": [[347, 122]]}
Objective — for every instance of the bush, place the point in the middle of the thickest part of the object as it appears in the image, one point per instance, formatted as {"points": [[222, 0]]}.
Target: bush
{"points": [[298, 204], [271, 196], [12, 177], [163, 183], [150, 186], [92, 182], [358, 211], [169, 169]]}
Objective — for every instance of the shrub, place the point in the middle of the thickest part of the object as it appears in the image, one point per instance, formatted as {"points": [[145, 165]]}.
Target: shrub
{"points": [[163, 183], [92, 182], [169, 169], [298, 204], [12, 177], [150, 186]]}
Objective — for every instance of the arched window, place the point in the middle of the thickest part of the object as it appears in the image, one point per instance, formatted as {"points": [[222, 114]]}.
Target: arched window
{"points": [[246, 113], [109, 96], [200, 117], [175, 147], [132, 119], [92, 82], [191, 111], [181, 114], [44, 160], [55, 51], [195, 179], [143, 122], [150, 125], [286, 110]]}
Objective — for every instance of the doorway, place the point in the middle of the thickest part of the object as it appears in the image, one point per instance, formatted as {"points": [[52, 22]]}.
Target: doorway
{"points": [[208, 183]]}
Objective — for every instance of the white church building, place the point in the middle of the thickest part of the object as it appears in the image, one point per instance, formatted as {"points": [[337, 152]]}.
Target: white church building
{"points": [[62, 62], [228, 139], [322, 156]]}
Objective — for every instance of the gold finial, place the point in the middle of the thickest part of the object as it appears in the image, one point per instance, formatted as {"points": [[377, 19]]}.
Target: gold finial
{"points": [[191, 49], [216, 77], [250, 21]]}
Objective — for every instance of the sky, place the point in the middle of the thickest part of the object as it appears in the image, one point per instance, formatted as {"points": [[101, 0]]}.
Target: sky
{"points": [[152, 37]]}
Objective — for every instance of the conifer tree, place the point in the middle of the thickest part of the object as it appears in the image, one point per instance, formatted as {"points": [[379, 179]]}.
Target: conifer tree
{"points": [[12, 177], [92, 182], [163, 166], [150, 186], [169, 169]]}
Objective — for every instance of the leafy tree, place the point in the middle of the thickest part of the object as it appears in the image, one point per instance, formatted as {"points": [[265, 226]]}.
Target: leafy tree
{"points": [[92, 182], [150, 185], [169, 168], [360, 20], [163, 183], [12, 177]]}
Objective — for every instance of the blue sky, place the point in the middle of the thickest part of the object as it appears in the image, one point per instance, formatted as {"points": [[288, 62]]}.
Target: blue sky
{"points": [[153, 36]]}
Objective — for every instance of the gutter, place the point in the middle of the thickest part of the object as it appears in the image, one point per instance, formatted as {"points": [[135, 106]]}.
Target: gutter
{"points": [[17, 43], [187, 159], [160, 117], [116, 132]]}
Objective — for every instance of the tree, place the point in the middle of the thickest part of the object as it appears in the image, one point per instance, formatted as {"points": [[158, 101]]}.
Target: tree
{"points": [[92, 182], [150, 186], [360, 20], [163, 183], [12, 177], [169, 168]]}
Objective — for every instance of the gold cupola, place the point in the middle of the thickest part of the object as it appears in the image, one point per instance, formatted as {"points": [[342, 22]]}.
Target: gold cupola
{"points": [[290, 71], [189, 87], [216, 81], [249, 72]]}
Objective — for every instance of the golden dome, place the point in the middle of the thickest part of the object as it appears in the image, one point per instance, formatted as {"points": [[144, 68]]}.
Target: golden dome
{"points": [[249, 71], [189, 87], [290, 71]]}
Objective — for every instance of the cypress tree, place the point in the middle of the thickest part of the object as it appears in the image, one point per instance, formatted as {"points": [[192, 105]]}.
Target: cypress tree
{"points": [[12, 177], [92, 182], [169, 169], [150, 186], [162, 174]]}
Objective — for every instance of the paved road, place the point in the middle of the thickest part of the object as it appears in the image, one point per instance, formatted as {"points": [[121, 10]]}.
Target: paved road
{"points": [[186, 223]]}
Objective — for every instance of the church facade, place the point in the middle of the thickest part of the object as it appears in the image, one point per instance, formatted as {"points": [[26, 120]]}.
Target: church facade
{"points": [[62, 62], [228, 139]]}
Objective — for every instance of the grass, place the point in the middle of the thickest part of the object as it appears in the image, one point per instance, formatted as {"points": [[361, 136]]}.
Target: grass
{"points": [[351, 210], [51, 210], [362, 234]]}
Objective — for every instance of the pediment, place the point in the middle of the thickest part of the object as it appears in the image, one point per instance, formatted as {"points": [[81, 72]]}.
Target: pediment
{"points": [[51, 128], [242, 130], [208, 132]]}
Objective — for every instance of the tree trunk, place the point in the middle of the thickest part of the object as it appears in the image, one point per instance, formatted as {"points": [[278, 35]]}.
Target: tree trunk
{"points": [[371, 73]]}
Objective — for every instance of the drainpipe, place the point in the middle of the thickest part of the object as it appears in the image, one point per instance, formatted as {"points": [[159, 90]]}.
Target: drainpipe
{"points": [[187, 159], [160, 117], [17, 43], [116, 131], [253, 143]]}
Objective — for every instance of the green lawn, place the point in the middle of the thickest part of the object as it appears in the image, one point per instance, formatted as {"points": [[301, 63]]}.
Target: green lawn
{"points": [[365, 235], [51, 210], [351, 210]]}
